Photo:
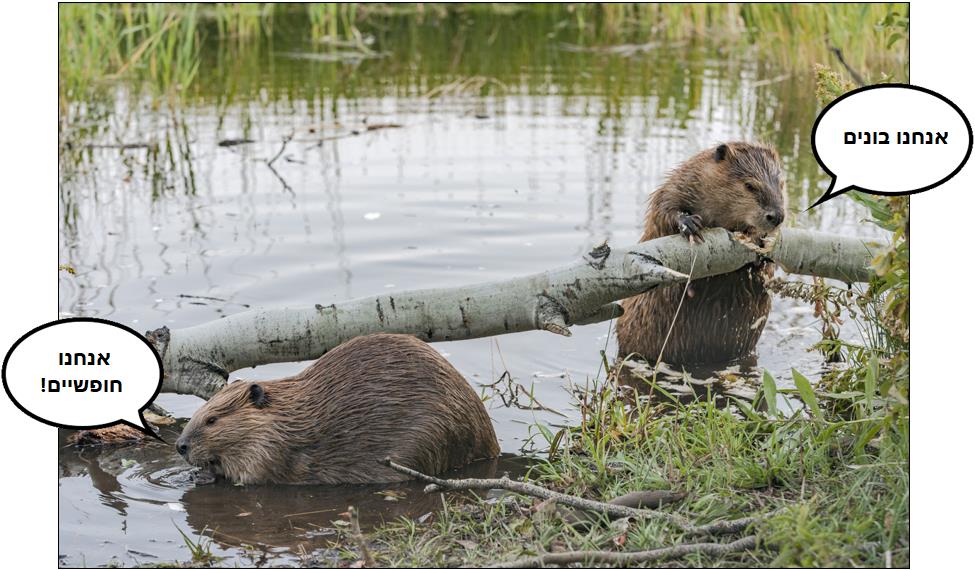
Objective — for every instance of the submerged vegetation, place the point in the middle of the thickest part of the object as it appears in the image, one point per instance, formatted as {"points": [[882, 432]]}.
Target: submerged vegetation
{"points": [[827, 460]]}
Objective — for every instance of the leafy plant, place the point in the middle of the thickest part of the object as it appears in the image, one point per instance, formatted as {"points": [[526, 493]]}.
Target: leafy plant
{"points": [[200, 549]]}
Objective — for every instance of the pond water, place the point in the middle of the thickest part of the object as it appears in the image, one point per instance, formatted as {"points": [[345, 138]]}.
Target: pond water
{"points": [[473, 150]]}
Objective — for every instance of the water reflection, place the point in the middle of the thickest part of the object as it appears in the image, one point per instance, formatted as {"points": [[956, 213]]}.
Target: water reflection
{"points": [[261, 519]]}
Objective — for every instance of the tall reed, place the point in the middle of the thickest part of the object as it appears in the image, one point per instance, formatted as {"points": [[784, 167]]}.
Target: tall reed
{"points": [[161, 43]]}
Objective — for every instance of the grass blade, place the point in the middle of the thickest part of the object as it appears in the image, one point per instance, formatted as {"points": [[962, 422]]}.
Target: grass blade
{"points": [[771, 393], [807, 394]]}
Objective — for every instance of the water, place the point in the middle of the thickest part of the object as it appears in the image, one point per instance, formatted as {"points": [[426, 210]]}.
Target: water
{"points": [[557, 152]]}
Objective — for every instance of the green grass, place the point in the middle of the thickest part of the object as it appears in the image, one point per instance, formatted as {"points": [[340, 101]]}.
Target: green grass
{"points": [[200, 554], [794, 33], [162, 44], [843, 504], [835, 478], [157, 44]]}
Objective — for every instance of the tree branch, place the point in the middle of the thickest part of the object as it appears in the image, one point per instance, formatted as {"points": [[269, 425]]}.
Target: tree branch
{"points": [[613, 510], [198, 359]]}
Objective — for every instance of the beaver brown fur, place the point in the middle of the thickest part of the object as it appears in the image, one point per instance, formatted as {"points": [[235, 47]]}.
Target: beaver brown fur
{"points": [[375, 396], [736, 186]]}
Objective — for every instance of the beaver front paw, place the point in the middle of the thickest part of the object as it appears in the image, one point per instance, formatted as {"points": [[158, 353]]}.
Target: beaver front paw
{"points": [[690, 226], [203, 477]]}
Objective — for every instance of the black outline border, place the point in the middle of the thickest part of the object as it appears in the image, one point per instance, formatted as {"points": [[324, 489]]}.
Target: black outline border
{"points": [[829, 194], [143, 428]]}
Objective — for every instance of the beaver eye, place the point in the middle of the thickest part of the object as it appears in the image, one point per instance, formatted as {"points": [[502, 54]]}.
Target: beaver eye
{"points": [[211, 420], [750, 187]]}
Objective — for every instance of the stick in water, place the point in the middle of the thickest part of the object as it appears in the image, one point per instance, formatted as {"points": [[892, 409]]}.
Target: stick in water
{"points": [[616, 511]]}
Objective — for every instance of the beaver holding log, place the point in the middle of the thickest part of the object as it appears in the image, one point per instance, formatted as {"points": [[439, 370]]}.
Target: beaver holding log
{"points": [[376, 396], [736, 186]]}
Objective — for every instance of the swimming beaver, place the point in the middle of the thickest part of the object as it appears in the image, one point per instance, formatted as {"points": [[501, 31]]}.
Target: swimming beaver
{"points": [[736, 186], [372, 397]]}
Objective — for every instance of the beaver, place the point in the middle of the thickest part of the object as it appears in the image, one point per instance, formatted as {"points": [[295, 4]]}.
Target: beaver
{"points": [[371, 397], [736, 186]]}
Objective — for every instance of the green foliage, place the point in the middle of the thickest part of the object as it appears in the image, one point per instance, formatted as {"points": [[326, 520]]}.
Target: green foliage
{"points": [[160, 44], [883, 360], [157, 43], [200, 548], [807, 394], [793, 33], [895, 28], [829, 84], [841, 487], [770, 390]]}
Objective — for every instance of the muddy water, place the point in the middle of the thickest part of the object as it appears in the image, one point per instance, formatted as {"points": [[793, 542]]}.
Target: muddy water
{"points": [[168, 221]]}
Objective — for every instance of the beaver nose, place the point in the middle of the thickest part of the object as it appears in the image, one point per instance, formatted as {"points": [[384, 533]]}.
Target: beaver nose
{"points": [[774, 217], [182, 447]]}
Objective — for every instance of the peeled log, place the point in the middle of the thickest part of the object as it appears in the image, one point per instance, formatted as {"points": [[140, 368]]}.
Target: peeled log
{"points": [[198, 359]]}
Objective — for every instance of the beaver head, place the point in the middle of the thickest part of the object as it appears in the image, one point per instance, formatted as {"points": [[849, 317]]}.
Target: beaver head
{"points": [[736, 186], [235, 433], [749, 198]]}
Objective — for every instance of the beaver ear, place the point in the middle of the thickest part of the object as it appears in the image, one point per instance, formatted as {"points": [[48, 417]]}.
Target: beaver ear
{"points": [[258, 396], [721, 153]]}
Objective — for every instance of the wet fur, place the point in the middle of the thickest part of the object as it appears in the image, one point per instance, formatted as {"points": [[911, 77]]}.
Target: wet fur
{"points": [[372, 397], [733, 186]]}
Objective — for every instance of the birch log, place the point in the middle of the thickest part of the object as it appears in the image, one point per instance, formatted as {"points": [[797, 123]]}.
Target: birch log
{"points": [[197, 360]]}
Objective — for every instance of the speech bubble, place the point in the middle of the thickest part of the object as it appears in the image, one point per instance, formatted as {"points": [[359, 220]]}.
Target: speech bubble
{"points": [[891, 139], [83, 373]]}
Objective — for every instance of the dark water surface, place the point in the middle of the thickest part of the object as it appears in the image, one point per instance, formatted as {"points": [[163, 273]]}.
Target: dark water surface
{"points": [[497, 148]]}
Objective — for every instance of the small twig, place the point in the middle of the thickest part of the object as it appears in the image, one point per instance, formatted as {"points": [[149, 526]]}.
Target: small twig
{"points": [[270, 163], [508, 390], [307, 513], [853, 73], [367, 560], [284, 183], [123, 146], [614, 511], [673, 321], [228, 143], [589, 557], [284, 145]]}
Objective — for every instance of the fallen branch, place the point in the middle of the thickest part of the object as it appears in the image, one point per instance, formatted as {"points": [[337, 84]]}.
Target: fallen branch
{"points": [[590, 557], [610, 509], [197, 360]]}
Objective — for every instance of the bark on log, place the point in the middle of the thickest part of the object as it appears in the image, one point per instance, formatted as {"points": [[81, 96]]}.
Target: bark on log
{"points": [[197, 360]]}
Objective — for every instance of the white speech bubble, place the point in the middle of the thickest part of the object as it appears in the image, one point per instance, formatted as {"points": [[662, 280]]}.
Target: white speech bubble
{"points": [[83, 373], [891, 139]]}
